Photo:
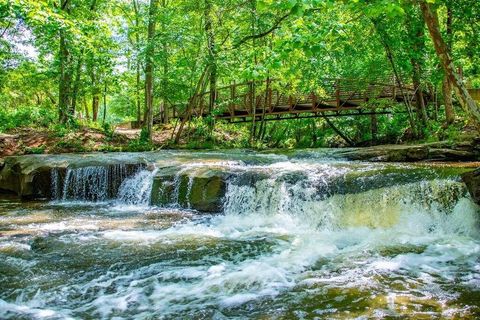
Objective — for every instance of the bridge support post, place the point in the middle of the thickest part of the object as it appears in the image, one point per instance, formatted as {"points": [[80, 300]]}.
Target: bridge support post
{"points": [[232, 99], [337, 93]]}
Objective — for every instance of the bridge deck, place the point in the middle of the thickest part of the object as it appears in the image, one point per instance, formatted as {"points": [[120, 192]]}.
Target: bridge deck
{"points": [[273, 100]]}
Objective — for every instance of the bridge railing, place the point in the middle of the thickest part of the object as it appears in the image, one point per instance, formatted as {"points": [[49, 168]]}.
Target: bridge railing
{"points": [[256, 97], [271, 96]]}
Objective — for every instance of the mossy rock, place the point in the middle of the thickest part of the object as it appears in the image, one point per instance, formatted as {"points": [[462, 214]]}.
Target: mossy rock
{"points": [[29, 176], [472, 180], [200, 189]]}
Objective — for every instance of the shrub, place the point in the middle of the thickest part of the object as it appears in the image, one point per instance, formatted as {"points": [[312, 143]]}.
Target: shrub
{"points": [[34, 150], [26, 116], [108, 130]]}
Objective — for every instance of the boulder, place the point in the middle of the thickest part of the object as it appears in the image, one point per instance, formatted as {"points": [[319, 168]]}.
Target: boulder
{"points": [[26, 178], [30, 176], [472, 180], [202, 189]]}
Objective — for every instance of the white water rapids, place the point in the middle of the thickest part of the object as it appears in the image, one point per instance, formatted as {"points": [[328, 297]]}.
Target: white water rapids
{"points": [[299, 240]]}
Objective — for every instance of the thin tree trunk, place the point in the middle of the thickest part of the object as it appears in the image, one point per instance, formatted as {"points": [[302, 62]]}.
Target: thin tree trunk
{"points": [[137, 93], [253, 99], [85, 106], [137, 47], [95, 104], [374, 127], [415, 32], [314, 133], [446, 85], [406, 100], [212, 54], [265, 104], [104, 102], [398, 80], [421, 109], [76, 83], [447, 101], [430, 16], [192, 104], [65, 81], [164, 109], [337, 131], [149, 68], [95, 95]]}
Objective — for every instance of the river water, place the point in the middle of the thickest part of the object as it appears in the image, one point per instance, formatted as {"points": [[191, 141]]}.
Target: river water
{"points": [[315, 237]]}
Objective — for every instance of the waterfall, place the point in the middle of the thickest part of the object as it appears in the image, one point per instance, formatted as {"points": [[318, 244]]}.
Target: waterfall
{"points": [[137, 189], [90, 183], [326, 195], [330, 200]]}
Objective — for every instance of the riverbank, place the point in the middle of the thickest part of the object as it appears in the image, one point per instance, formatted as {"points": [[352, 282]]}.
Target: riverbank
{"points": [[41, 141]]}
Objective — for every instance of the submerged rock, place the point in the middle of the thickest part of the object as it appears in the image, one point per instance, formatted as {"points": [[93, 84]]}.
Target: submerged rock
{"points": [[472, 180]]}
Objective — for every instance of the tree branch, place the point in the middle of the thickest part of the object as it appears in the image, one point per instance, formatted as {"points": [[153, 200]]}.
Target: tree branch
{"points": [[6, 28], [275, 26]]}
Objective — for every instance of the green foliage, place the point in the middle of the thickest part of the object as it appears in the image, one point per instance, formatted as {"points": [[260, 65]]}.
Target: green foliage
{"points": [[108, 130], [25, 117], [69, 145], [60, 130], [34, 150], [297, 42], [144, 138], [139, 145]]}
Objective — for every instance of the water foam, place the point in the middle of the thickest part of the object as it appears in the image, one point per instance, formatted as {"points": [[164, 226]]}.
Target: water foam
{"points": [[290, 229]]}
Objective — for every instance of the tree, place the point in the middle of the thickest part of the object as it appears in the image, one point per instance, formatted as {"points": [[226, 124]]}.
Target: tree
{"points": [[66, 70], [149, 68], [446, 84], [431, 19]]}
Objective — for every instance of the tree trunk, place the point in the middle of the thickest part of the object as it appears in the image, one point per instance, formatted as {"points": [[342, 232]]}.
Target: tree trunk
{"points": [[430, 16], [447, 101], [164, 110], [65, 81], [398, 80], [137, 93], [85, 106], [149, 68], [192, 103], [95, 95], [421, 109], [337, 131], [95, 104], [76, 83], [253, 100], [212, 54], [415, 33], [137, 47], [374, 127], [446, 85], [104, 103]]}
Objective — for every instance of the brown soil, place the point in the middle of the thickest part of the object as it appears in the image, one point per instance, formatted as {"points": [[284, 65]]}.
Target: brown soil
{"points": [[32, 140]]}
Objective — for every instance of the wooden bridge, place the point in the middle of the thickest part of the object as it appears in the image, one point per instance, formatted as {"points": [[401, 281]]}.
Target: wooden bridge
{"points": [[274, 100]]}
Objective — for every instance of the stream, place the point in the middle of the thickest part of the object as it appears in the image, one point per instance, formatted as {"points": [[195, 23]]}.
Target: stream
{"points": [[298, 236]]}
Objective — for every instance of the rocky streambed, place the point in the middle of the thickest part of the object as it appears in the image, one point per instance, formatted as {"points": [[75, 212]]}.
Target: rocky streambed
{"points": [[199, 180], [237, 234]]}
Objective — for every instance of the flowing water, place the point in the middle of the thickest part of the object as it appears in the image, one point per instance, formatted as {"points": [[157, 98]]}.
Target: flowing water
{"points": [[300, 237]]}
